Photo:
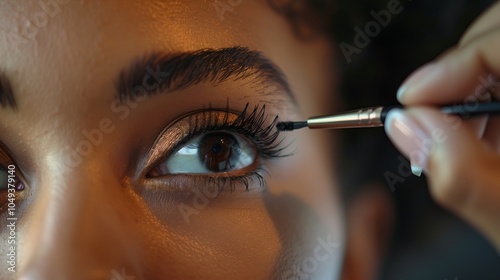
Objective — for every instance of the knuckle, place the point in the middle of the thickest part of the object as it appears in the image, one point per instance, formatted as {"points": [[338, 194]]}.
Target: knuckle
{"points": [[463, 185], [451, 185]]}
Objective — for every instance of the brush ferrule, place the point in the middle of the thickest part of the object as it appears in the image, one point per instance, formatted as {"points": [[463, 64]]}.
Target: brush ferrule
{"points": [[367, 117]]}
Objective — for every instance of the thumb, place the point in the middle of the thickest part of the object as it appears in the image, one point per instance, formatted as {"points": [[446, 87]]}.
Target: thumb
{"points": [[463, 175]]}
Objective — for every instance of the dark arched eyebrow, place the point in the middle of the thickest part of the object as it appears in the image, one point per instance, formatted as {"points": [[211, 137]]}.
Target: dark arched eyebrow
{"points": [[7, 99], [163, 73]]}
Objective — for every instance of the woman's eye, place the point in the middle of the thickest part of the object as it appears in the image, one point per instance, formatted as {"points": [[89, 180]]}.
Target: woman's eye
{"points": [[215, 148], [213, 152]]}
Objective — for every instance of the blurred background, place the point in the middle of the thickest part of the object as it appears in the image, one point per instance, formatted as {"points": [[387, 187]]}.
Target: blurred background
{"points": [[428, 242]]}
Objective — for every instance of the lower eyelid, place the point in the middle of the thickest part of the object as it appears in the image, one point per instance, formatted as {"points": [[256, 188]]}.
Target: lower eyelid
{"points": [[253, 178]]}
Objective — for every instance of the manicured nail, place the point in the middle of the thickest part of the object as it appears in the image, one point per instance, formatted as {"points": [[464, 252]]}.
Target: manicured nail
{"points": [[422, 76], [416, 170], [410, 138]]}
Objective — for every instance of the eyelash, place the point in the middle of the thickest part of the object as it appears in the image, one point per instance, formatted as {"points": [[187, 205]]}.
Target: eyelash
{"points": [[251, 125]]}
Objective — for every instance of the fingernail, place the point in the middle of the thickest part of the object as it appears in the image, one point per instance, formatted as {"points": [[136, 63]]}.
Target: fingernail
{"points": [[416, 170], [422, 76], [410, 138]]}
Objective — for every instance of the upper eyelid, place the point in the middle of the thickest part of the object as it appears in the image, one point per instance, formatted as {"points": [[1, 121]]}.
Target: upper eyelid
{"points": [[161, 145]]}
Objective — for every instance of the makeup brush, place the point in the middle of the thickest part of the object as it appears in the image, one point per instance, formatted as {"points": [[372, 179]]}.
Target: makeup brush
{"points": [[375, 116]]}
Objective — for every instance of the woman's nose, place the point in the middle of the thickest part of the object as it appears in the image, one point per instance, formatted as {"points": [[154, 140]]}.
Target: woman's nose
{"points": [[81, 226]]}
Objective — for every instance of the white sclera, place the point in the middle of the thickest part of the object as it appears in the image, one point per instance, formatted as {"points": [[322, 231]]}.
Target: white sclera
{"points": [[187, 161]]}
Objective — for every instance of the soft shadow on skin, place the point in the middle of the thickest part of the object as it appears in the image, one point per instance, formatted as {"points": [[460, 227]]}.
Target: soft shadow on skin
{"points": [[298, 228]]}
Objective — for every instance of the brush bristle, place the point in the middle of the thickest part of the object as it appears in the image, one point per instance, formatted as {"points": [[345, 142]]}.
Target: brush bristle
{"points": [[285, 126], [290, 126]]}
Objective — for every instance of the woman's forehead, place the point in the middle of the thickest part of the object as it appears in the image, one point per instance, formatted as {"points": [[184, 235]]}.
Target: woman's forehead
{"points": [[69, 48], [62, 46], [178, 24]]}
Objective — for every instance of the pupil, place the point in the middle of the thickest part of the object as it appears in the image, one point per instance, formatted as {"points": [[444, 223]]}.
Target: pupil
{"points": [[217, 148]]}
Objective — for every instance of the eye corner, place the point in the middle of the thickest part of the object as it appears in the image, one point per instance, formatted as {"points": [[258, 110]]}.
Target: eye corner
{"points": [[12, 175]]}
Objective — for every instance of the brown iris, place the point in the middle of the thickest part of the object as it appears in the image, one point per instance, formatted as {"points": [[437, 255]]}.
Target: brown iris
{"points": [[217, 151]]}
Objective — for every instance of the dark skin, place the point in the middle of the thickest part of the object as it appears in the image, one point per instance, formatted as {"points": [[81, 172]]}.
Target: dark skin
{"points": [[104, 214], [87, 218]]}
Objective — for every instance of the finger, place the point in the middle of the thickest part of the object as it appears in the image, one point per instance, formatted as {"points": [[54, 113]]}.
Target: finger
{"points": [[460, 76], [477, 125], [462, 175], [485, 23]]}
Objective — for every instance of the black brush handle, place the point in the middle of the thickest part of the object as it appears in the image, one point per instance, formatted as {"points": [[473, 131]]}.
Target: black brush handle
{"points": [[463, 110]]}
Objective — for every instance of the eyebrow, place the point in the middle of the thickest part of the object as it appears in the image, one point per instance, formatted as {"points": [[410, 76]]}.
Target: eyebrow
{"points": [[164, 73], [7, 99]]}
